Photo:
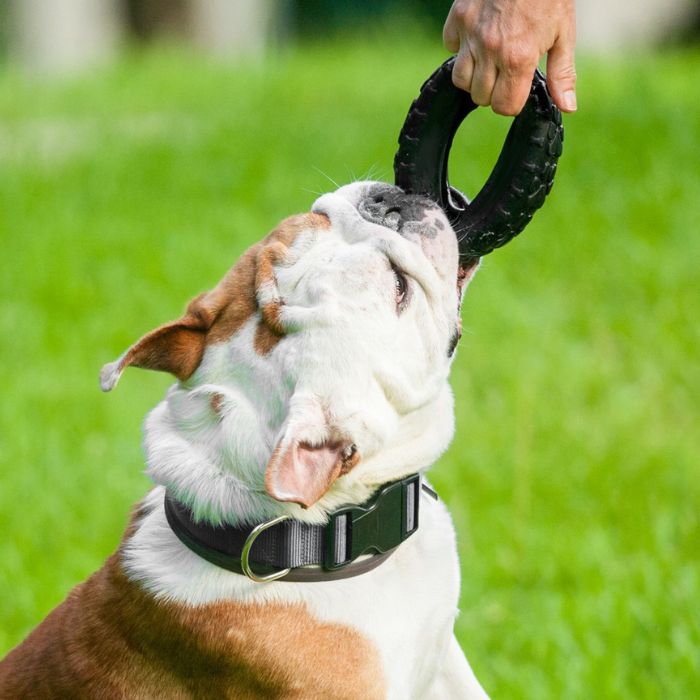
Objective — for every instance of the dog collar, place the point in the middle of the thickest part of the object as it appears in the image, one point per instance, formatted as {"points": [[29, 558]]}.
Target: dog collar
{"points": [[291, 550]]}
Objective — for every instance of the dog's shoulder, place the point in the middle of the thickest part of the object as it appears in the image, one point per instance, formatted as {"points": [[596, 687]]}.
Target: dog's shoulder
{"points": [[112, 638]]}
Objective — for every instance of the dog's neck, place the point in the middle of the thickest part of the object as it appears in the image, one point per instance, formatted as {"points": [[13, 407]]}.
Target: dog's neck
{"points": [[208, 444]]}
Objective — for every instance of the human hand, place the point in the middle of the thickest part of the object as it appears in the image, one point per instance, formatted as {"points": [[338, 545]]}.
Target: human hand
{"points": [[499, 44]]}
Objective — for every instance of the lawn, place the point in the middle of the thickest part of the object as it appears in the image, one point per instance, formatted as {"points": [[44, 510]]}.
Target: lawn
{"points": [[574, 477]]}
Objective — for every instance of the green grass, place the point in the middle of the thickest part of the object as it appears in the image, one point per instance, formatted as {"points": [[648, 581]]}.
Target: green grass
{"points": [[574, 477]]}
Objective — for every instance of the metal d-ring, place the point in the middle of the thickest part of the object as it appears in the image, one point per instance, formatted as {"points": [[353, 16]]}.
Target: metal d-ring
{"points": [[250, 540]]}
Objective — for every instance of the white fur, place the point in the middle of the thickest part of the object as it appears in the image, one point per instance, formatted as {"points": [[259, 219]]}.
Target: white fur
{"points": [[406, 606], [349, 364], [110, 374]]}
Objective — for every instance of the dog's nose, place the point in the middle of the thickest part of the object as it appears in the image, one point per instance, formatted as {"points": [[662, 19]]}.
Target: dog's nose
{"points": [[390, 206]]}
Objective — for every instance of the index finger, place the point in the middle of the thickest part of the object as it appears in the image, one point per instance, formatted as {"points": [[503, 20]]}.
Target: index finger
{"points": [[450, 32]]}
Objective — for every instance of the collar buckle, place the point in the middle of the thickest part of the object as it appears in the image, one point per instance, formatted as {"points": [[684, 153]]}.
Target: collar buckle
{"points": [[362, 529]]}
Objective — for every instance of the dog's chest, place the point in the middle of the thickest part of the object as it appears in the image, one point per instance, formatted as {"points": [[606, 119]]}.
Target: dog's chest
{"points": [[404, 610], [407, 606]]}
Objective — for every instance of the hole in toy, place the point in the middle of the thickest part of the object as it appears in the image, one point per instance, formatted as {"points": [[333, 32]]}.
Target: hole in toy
{"points": [[475, 150]]}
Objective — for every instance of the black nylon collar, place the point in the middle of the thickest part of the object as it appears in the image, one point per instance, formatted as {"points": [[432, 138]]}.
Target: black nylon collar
{"points": [[291, 550]]}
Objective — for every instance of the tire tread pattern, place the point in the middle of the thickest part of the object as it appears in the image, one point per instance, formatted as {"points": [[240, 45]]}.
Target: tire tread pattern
{"points": [[520, 181]]}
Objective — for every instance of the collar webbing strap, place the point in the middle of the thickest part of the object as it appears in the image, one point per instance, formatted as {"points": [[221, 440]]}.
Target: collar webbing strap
{"points": [[279, 550]]}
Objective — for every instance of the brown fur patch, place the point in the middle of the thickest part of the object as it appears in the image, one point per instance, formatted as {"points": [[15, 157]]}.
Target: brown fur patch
{"points": [[236, 293], [465, 272], [177, 347], [265, 338], [350, 462], [216, 402], [112, 639]]}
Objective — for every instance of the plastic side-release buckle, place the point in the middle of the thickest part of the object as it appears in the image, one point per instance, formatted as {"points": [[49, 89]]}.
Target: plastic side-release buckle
{"points": [[378, 526]]}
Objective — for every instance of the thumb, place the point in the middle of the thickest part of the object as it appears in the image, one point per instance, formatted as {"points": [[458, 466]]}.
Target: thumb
{"points": [[561, 75]]}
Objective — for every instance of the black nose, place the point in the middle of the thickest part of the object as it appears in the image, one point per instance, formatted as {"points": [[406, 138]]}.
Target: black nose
{"points": [[390, 206]]}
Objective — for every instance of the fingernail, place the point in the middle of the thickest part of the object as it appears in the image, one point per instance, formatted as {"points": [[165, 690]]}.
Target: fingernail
{"points": [[570, 101]]}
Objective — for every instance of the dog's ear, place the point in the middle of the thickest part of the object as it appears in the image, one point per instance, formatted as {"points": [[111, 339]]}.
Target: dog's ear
{"points": [[300, 472], [176, 347]]}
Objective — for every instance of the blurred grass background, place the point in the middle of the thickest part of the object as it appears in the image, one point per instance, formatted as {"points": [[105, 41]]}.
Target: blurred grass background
{"points": [[573, 478]]}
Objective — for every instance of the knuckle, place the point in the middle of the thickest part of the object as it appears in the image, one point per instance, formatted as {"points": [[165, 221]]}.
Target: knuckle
{"points": [[516, 59], [461, 81], [491, 41], [462, 72], [463, 13], [565, 73], [459, 12]]}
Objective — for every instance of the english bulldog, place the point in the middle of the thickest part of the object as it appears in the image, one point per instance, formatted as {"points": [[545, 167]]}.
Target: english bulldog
{"points": [[312, 388]]}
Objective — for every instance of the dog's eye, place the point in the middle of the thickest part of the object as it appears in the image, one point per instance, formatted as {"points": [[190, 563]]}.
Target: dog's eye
{"points": [[401, 286]]}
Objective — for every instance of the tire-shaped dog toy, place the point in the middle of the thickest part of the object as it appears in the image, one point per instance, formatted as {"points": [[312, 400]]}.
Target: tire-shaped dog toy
{"points": [[519, 182]]}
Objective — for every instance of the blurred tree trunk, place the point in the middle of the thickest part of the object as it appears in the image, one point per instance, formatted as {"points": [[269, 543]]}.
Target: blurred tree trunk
{"points": [[232, 28], [612, 25], [60, 35]]}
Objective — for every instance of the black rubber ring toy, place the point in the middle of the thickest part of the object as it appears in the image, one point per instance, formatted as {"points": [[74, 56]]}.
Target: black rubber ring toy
{"points": [[519, 182]]}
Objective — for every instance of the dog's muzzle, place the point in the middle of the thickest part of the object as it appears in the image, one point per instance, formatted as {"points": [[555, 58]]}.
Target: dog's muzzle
{"points": [[390, 206]]}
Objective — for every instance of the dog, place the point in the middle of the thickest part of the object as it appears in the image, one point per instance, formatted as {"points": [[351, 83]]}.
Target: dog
{"points": [[311, 378]]}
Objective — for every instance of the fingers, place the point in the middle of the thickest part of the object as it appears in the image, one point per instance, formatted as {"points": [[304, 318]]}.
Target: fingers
{"points": [[450, 32], [561, 74], [503, 80], [500, 44], [475, 73], [484, 80], [478, 76], [512, 90], [486, 66], [492, 79], [463, 70]]}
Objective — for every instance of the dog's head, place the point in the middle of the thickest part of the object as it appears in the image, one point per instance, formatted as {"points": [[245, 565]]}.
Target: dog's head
{"points": [[323, 352]]}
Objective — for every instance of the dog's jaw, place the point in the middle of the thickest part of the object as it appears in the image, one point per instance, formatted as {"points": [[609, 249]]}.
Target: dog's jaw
{"points": [[212, 457]]}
